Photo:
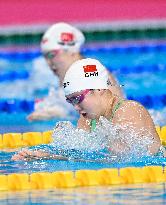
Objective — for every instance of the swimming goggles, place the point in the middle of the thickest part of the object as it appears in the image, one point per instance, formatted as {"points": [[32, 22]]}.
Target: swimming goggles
{"points": [[51, 54], [77, 99]]}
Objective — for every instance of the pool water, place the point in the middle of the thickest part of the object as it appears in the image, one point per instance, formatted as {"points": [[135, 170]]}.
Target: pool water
{"points": [[132, 64], [17, 122], [116, 195], [140, 73]]}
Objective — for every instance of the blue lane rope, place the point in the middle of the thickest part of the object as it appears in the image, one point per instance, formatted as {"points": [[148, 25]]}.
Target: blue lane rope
{"points": [[137, 69], [127, 49], [31, 54], [24, 74], [16, 105], [20, 55], [14, 75]]}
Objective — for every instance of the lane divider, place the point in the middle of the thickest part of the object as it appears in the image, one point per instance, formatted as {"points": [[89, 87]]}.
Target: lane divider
{"points": [[17, 105], [30, 54], [24, 74], [82, 178], [14, 75], [16, 140], [137, 69], [20, 55], [125, 49], [150, 101]]}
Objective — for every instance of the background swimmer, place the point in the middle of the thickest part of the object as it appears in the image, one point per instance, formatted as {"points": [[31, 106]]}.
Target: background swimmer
{"points": [[61, 46]]}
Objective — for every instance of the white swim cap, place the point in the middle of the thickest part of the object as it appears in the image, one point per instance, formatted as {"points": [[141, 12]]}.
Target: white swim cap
{"points": [[85, 74], [62, 36]]}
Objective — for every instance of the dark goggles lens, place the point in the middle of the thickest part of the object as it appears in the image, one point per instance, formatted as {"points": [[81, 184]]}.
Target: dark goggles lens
{"points": [[77, 99]]}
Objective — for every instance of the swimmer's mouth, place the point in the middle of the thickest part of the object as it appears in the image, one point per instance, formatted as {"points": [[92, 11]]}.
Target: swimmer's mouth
{"points": [[54, 71], [84, 114]]}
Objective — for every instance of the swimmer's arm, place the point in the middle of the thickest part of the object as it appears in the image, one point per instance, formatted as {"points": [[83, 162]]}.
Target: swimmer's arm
{"points": [[39, 116], [28, 155], [133, 115], [46, 114]]}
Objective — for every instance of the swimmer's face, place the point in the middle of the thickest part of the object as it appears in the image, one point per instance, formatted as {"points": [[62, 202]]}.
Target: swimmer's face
{"points": [[77, 98], [56, 60], [51, 58], [85, 103]]}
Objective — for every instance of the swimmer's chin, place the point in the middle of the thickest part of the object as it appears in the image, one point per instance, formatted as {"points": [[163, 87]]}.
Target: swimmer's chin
{"points": [[88, 116]]}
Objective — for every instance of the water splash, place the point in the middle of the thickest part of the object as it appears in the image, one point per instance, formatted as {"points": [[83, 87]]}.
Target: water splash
{"points": [[118, 142]]}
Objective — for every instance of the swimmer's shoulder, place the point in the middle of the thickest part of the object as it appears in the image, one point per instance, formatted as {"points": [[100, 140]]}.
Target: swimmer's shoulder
{"points": [[128, 105], [128, 110]]}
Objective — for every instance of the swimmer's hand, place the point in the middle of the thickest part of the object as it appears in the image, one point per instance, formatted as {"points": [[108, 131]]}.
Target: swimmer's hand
{"points": [[47, 114], [38, 116], [28, 155]]}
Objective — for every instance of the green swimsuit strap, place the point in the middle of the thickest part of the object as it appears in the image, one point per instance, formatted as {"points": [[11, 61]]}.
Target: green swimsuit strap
{"points": [[117, 106], [94, 122]]}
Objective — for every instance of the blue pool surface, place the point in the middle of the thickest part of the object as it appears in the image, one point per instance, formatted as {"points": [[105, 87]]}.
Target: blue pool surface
{"points": [[115, 195], [17, 122], [140, 72], [118, 194], [94, 161]]}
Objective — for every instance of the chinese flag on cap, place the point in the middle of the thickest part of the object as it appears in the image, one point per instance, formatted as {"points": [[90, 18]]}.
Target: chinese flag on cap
{"points": [[89, 68], [67, 37]]}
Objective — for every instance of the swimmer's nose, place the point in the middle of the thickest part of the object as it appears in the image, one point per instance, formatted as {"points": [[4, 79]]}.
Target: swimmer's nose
{"points": [[77, 107], [48, 62]]}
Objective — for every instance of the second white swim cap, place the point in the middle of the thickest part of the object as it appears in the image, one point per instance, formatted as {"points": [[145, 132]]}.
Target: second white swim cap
{"points": [[85, 74], [62, 36]]}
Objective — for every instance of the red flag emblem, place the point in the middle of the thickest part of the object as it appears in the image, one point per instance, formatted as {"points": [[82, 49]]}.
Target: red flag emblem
{"points": [[67, 37], [90, 68]]}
